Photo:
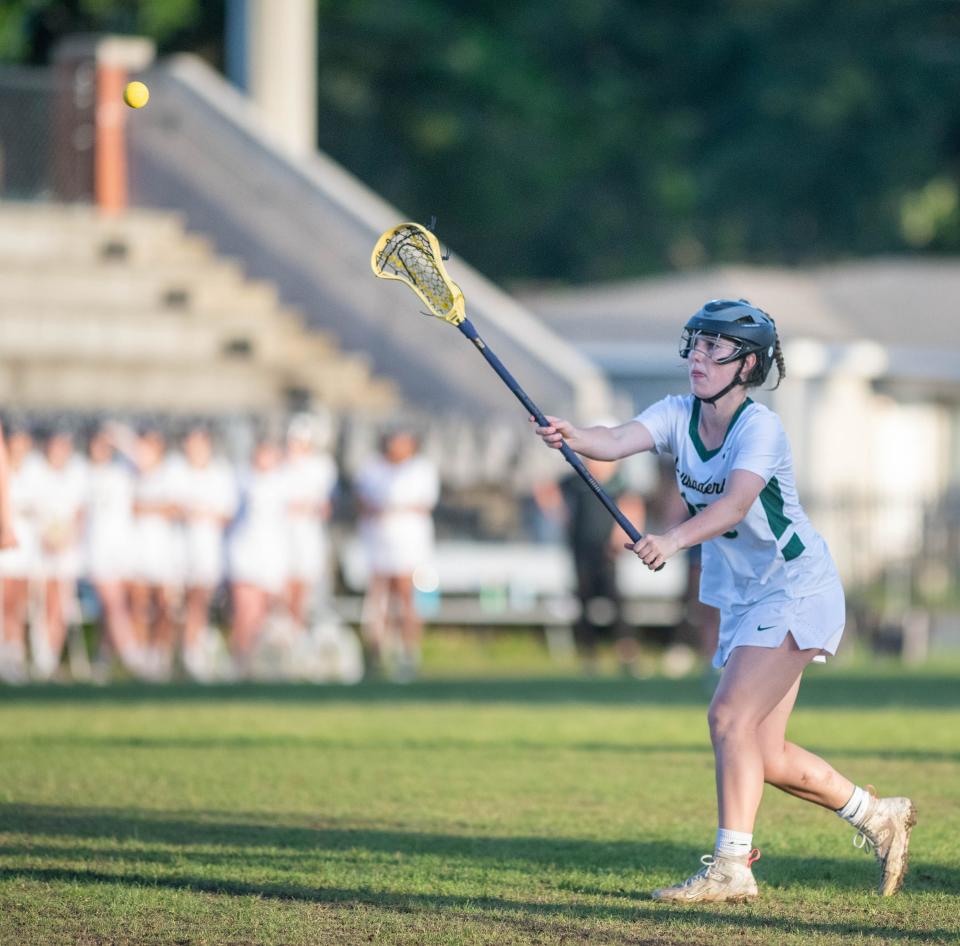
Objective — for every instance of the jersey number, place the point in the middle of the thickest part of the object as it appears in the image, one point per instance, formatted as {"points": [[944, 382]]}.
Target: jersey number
{"points": [[732, 534]]}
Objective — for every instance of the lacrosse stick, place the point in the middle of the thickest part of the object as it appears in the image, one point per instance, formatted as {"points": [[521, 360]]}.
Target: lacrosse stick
{"points": [[411, 254]]}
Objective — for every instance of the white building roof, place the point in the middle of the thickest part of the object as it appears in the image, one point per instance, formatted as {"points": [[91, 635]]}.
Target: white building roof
{"points": [[894, 318]]}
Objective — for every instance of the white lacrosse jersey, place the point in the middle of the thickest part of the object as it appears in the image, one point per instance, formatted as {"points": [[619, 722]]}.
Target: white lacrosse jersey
{"points": [[207, 496], [399, 536], [774, 549]]}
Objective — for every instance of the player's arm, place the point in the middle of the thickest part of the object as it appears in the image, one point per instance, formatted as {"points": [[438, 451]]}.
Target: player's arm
{"points": [[743, 488], [598, 443]]}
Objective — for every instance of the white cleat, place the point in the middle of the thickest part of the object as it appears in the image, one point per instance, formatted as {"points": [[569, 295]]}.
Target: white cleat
{"points": [[886, 831], [722, 880]]}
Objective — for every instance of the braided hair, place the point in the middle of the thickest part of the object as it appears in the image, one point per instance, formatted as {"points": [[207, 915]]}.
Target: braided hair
{"points": [[757, 376]]}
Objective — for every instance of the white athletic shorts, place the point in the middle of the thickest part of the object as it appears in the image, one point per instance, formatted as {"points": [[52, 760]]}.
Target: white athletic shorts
{"points": [[108, 555], [203, 555], [816, 620], [158, 555], [259, 557], [22, 561], [306, 549]]}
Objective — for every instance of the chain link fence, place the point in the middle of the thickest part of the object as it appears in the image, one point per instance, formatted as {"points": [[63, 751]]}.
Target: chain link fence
{"points": [[46, 133]]}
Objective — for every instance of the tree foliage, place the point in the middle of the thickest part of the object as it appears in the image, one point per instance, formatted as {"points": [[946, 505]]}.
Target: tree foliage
{"points": [[596, 139], [576, 140], [29, 29]]}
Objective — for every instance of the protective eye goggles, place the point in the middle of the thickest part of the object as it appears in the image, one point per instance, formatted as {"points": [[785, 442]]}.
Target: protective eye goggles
{"points": [[718, 348]]}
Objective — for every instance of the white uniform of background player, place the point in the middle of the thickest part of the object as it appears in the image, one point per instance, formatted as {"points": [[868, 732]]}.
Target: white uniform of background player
{"points": [[108, 528], [22, 562], [59, 492], [397, 492], [18, 566], [398, 533], [257, 546], [158, 557], [208, 499], [311, 476], [108, 542], [207, 491]]}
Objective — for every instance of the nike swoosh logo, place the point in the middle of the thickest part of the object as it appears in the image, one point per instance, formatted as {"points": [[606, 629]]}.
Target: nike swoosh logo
{"points": [[767, 628]]}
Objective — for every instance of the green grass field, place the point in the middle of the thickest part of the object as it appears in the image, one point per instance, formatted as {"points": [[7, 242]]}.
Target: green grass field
{"points": [[515, 809]]}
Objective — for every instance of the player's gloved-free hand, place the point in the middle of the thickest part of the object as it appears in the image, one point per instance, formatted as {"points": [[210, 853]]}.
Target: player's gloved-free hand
{"points": [[559, 432], [654, 550]]}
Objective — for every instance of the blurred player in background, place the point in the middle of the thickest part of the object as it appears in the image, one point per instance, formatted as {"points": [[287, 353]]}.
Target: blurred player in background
{"points": [[773, 579], [59, 492], [207, 491], [18, 547], [108, 542], [311, 476], [595, 541], [158, 551], [258, 547], [397, 492]]}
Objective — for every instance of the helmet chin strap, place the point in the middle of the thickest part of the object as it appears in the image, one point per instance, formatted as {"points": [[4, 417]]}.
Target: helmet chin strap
{"points": [[734, 383]]}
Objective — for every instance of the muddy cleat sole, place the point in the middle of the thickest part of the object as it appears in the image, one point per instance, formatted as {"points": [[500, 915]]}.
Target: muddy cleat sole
{"points": [[886, 831], [721, 880]]}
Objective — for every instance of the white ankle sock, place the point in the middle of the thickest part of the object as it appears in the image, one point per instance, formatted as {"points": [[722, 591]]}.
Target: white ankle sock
{"points": [[855, 810], [732, 843]]}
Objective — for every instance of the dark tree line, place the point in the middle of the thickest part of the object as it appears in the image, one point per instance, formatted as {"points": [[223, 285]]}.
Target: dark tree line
{"points": [[574, 140]]}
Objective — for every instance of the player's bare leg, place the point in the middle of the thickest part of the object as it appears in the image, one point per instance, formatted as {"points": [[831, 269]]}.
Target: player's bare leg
{"points": [[165, 628], [886, 823], [410, 625], [375, 619], [297, 599], [13, 663], [793, 769], [250, 605], [754, 683], [195, 621], [118, 623], [140, 613], [56, 622], [196, 615]]}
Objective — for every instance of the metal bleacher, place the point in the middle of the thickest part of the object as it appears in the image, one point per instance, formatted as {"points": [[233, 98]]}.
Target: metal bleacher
{"points": [[144, 316]]}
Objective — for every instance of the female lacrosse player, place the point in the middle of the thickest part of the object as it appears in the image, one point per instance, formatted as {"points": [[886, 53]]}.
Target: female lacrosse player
{"points": [[208, 501], [59, 492], [108, 524], [771, 576], [158, 551], [311, 477], [18, 548], [397, 492], [257, 549]]}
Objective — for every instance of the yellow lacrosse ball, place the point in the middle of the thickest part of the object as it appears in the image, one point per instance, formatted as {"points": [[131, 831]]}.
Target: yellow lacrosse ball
{"points": [[136, 94]]}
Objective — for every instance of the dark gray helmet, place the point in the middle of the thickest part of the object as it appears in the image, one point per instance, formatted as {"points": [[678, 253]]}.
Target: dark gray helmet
{"points": [[741, 322]]}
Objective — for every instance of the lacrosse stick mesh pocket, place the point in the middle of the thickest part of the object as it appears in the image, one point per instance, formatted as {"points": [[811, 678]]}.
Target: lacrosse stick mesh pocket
{"points": [[412, 254]]}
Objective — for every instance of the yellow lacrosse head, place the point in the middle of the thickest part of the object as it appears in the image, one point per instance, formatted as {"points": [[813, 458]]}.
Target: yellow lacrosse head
{"points": [[411, 253]]}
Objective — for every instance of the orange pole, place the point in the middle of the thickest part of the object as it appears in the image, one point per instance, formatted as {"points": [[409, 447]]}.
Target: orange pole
{"points": [[110, 157]]}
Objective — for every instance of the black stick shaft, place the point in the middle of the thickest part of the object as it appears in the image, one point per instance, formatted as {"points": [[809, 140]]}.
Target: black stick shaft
{"points": [[467, 328]]}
